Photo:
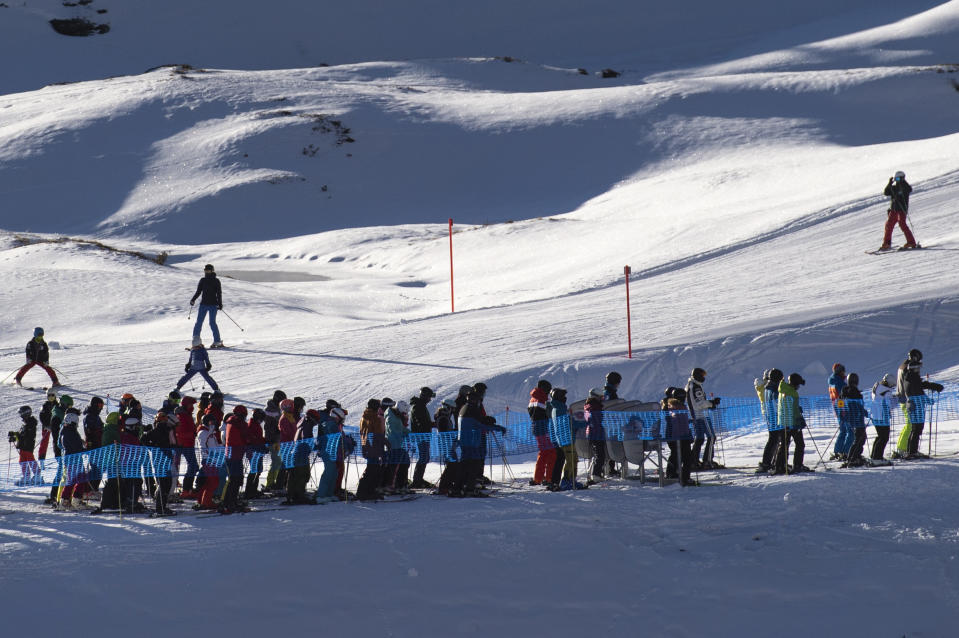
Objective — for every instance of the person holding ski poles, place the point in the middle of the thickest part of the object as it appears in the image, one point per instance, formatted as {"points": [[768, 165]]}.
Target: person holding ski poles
{"points": [[897, 190], [38, 354], [912, 388], [199, 363], [211, 300]]}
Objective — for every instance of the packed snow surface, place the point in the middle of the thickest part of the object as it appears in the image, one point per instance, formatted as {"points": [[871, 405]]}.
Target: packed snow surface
{"points": [[736, 165]]}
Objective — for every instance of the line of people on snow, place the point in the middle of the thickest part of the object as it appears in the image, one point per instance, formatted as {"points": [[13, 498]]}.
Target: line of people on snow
{"points": [[779, 398]]}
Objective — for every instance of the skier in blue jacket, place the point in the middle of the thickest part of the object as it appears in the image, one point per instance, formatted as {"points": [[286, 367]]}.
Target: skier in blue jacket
{"points": [[199, 363]]}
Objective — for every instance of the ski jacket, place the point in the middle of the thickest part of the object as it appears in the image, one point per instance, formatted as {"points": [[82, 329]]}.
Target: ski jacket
{"points": [[70, 441], [287, 426], [27, 436], [884, 399], [199, 361], [37, 350], [254, 435], [677, 419], [789, 412], [46, 411], [209, 291], [206, 441], [852, 412], [610, 392], [909, 381], [371, 423], [162, 435], [473, 424], [696, 399], [271, 425], [593, 410], [898, 192], [836, 383], [420, 421], [235, 437], [186, 428], [562, 431], [443, 420], [771, 405], [538, 411], [396, 430], [111, 429], [92, 428], [56, 418]]}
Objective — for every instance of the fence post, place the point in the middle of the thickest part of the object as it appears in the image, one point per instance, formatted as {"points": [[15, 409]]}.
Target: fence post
{"points": [[452, 306], [629, 328]]}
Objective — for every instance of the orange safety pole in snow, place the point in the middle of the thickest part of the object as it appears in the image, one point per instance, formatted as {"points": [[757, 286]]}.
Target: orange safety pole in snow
{"points": [[452, 307], [629, 327]]}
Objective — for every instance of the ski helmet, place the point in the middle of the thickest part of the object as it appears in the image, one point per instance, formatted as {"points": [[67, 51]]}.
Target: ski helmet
{"points": [[795, 380], [544, 385], [338, 413], [558, 394], [449, 403], [208, 268], [37, 332], [314, 415], [25, 411], [839, 369], [71, 419], [286, 405], [775, 375], [900, 175], [387, 402], [480, 388], [402, 407], [332, 403], [887, 381], [853, 380], [427, 392], [373, 404], [614, 378], [240, 411], [464, 390], [698, 374], [596, 393], [66, 401], [258, 415], [915, 356], [197, 342], [278, 396]]}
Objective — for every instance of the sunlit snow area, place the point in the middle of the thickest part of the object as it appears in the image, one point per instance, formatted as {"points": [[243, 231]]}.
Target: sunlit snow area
{"points": [[314, 153]]}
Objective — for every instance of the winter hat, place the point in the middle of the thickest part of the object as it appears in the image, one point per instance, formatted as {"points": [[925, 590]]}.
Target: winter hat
{"points": [[96, 401], [51, 395], [313, 415], [188, 401], [258, 415], [480, 389], [37, 332], [286, 405], [403, 407], [427, 392], [71, 419], [113, 418], [464, 390], [775, 375], [387, 402], [596, 393], [338, 413], [66, 401], [298, 403], [915, 356], [900, 175], [332, 403], [197, 342], [25, 411], [208, 268]]}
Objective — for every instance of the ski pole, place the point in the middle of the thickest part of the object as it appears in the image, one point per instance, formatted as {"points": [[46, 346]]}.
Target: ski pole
{"points": [[189, 315], [14, 371], [9, 460], [231, 319]]}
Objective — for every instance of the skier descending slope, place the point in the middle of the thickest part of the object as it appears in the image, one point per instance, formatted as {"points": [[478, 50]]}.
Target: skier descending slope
{"points": [[38, 354], [912, 388], [898, 190], [199, 363], [211, 300]]}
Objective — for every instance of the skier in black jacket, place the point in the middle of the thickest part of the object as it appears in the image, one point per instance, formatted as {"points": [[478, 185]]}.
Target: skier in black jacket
{"points": [[38, 354], [912, 388], [211, 300], [897, 190], [421, 425], [25, 440]]}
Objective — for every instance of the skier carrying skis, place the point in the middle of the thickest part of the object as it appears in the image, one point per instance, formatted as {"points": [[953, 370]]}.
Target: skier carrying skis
{"points": [[211, 300], [912, 387], [38, 354], [897, 190], [199, 363]]}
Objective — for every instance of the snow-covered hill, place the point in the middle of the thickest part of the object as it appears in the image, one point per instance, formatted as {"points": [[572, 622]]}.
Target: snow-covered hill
{"points": [[736, 165]]}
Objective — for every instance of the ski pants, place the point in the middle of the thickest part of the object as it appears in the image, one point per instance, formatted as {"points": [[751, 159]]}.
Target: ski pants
{"points": [[29, 468], [769, 451], [29, 364], [232, 493], [844, 438], [204, 310], [192, 467], [327, 485], [203, 373], [859, 442], [545, 460], [276, 464], [914, 411], [599, 457], [897, 217], [879, 443]]}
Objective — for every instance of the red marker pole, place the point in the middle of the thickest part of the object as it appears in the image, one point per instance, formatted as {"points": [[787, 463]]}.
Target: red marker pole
{"points": [[452, 306], [629, 327]]}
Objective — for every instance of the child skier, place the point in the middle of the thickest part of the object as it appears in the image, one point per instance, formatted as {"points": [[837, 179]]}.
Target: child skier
{"points": [[25, 440], [791, 422], [255, 451], [422, 426], [199, 363], [373, 446], [884, 397], [539, 418], [399, 460], [844, 436], [332, 430], [596, 434], [853, 414], [38, 354], [236, 428]]}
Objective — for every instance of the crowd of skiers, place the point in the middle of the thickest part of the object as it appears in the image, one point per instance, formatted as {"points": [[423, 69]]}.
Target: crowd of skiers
{"points": [[779, 397], [185, 425]]}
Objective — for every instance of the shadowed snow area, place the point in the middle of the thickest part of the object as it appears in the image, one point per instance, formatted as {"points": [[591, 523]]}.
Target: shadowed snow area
{"points": [[736, 164]]}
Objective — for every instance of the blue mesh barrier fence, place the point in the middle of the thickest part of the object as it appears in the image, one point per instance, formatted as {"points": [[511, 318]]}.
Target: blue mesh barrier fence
{"points": [[734, 416]]}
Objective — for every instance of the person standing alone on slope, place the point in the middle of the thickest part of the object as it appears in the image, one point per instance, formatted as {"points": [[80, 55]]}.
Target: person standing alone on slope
{"points": [[38, 354], [211, 300], [897, 190]]}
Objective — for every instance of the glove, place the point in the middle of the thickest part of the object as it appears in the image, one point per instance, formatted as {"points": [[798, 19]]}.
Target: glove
{"points": [[209, 367], [500, 429], [186, 368], [935, 387], [715, 401], [192, 301], [220, 307]]}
